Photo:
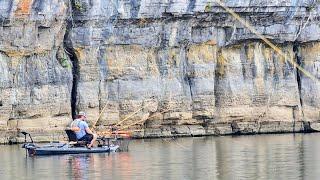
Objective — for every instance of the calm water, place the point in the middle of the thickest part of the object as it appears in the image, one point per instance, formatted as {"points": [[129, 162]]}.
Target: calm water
{"points": [[244, 157]]}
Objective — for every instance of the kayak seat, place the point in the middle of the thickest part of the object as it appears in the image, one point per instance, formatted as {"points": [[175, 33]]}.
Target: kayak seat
{"points": [[73, 138], [71, 135]]}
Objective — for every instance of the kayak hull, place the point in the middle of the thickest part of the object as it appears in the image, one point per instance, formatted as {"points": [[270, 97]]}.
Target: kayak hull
{"points": [[58, 149]]}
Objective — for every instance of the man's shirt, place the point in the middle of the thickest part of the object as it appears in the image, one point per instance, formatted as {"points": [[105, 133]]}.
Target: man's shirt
{"points": [[75, 123], [82, 125]]}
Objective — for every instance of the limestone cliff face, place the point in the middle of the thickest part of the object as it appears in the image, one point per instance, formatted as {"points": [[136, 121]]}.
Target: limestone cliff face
{"points": [[187, 64], [35, 73]]}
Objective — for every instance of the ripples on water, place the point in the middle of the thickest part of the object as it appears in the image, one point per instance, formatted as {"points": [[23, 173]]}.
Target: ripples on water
{"points": [[243, 157]]}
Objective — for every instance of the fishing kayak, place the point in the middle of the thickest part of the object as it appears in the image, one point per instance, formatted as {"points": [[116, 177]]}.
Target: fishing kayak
{"points": [[65, 148]]}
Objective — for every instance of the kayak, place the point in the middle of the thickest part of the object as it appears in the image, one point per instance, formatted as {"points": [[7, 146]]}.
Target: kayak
{"points": [[65, 148], [106, 145]]}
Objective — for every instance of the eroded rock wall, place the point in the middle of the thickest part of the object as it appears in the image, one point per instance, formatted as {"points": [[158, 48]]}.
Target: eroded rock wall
{"points": [[194, 68], [188, 66], [35, 72]]}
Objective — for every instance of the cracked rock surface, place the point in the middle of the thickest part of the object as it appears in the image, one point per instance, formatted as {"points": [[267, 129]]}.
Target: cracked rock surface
{"points": [[188, 65]]}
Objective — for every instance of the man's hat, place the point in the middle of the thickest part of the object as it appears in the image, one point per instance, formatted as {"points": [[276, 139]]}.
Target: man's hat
{"points": [[81, 113]]}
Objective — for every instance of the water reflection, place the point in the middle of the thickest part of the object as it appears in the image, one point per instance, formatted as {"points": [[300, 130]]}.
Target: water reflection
{"points": [[79, 165], [246, 157]]}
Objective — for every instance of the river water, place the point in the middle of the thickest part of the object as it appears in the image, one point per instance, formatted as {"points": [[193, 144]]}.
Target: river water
{"points": [[286, 156]]}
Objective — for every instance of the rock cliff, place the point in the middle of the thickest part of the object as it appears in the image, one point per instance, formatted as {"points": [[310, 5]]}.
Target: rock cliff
{"points": [[187, 67]]}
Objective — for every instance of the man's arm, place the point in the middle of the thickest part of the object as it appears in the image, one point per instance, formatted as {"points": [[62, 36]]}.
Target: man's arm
{"points": [[74, 126], [75, 129], [88, 130]]}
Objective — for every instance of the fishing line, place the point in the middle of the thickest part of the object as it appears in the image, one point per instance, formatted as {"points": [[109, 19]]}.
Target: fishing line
{"points": [[140, 121], [132, 114], [95, 122]]}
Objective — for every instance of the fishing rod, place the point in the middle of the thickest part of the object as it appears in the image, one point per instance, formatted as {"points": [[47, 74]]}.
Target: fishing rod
{"points": [[142, 120], [114, 130], [120, 131], [119, 123], [100, 114]]}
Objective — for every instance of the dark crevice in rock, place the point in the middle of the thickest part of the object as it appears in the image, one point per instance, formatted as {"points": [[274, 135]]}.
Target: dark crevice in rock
{"points": [[306, 125], [190, 84], [75, 68], [296, 51], [235, 128], [188, 78], [295, 116], [297, 57]]}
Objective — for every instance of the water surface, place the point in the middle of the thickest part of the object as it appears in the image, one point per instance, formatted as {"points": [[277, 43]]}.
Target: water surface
{"points": [[243, 157]]}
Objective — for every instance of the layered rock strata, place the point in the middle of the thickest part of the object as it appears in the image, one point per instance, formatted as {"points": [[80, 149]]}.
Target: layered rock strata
{"points": [[35, 72], [187, 67]]}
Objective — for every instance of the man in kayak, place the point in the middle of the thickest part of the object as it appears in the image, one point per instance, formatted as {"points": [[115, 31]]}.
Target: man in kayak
{"points": [[81, 128]]}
